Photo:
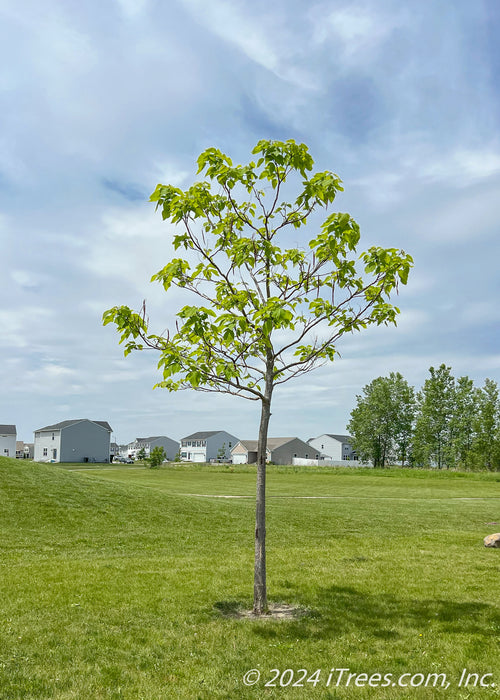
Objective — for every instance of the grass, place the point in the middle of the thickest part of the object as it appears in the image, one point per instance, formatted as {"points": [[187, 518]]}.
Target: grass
{"points": [[117, 584]]}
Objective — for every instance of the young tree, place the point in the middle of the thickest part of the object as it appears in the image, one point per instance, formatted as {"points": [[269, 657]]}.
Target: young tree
{"points": [[157, 456], [267, 312], [382, 422]]}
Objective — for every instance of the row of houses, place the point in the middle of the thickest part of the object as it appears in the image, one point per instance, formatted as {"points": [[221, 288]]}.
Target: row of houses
{"points": [[84, 440]]}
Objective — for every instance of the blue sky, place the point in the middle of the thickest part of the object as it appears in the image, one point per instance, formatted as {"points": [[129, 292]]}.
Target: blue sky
{"points": [[101, 101]]}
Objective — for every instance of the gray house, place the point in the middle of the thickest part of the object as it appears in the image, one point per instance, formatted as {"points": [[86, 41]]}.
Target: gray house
{"points": [[79, 440], [206, 446], [336, 447], [279, 450], [8, 434], [148, 444]]}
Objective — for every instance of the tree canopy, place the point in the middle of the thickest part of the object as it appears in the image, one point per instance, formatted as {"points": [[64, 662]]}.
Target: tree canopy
{"points": [[448, 423], [266, 310], [382, 421]]}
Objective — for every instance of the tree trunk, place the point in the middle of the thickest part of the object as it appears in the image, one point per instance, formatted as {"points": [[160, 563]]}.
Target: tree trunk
{"points": [[260, 606]]}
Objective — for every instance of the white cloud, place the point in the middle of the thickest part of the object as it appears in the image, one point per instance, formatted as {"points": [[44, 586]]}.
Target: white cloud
{"points": [[358, 30], [133, 9], [21, 327], [26, 278], [479, 313], [463, 166], [261, 36]]}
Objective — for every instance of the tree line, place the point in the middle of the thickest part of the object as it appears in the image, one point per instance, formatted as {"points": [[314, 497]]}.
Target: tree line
{"points": [[449, 423]]}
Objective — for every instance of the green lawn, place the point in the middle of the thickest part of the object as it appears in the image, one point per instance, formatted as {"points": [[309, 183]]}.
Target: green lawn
{"points": [[116, 583]]}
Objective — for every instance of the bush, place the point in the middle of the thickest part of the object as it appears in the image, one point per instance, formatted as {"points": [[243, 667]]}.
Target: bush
{"points": [[157, 457]]}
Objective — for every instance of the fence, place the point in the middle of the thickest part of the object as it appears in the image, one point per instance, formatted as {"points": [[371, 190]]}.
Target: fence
{"points": [[302, 462]]}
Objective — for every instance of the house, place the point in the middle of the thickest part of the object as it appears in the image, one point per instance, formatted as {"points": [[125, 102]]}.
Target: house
{"points": [[122, 450], [279, 451], [207, 446], [335, 447], [148, 444], [24, 450], [8, 435], [79, 440]]}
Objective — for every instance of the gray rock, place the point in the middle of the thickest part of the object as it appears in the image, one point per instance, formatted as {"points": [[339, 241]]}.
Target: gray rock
{"points": [[492, 540]]}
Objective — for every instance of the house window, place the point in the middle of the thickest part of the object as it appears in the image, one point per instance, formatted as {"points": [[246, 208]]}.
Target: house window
{"points": [[230, 444], [52, 436], [322, 447], [44, 451], [6, 451], [307, 455]]}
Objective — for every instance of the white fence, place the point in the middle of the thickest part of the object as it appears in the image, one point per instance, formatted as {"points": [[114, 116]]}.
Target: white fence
{"points": [[302, 462]]}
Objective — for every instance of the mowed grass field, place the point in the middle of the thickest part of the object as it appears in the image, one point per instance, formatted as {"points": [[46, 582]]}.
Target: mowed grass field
{"points": [[123, 583]]}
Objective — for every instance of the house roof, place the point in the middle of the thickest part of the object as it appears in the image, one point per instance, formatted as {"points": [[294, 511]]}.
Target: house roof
{"points": [[153, 437], [340, 438], [8, 430], [202, 435], [272, 443], [66, 423]]}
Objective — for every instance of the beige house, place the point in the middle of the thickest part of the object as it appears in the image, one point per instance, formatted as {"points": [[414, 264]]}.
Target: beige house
{"points": [[279, 450]]}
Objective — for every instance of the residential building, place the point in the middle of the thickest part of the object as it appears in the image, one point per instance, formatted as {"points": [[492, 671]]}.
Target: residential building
{"points": [[8, 435], [335, 447], [279, 451], [148, 444], [207, 446], [79, 440], [25, 450]]}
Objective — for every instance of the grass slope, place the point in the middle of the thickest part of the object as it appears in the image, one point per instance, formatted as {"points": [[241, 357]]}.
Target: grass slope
{"points": [[113, 583]]}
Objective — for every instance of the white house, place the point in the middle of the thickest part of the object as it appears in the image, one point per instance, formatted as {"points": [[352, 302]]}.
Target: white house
{"points": [[148, 444], [204, 446], [278, 450], [79, 440], [8, 435], [335, 447]]}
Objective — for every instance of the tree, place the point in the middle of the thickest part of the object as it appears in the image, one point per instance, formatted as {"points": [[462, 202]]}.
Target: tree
{"points": [[266, 313], [463, 421], [382, 422], [221, 452], [157, 456], [142, 453], [433, 430], [487, 426]]}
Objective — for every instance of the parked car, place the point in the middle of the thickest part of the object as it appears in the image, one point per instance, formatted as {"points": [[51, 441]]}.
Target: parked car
{"points": [[123, 460]]}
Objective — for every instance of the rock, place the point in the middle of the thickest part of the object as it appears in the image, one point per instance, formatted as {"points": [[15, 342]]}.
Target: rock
{"points": [[492, 540]]}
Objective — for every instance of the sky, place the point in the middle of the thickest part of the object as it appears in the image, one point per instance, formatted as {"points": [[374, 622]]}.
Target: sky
{"points": [[100, 101]]}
